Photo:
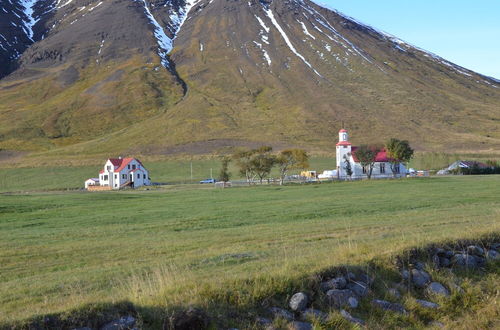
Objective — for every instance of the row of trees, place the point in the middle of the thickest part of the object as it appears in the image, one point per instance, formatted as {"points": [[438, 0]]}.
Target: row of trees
{"points": [[398, 152], [258, 163]]}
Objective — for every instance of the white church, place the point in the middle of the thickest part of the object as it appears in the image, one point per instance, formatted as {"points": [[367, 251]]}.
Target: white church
{"points": [[381, 169]]}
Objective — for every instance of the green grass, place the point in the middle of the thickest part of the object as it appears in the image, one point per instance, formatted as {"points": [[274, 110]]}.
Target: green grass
{"points": [[182, 245], [171, 171]]}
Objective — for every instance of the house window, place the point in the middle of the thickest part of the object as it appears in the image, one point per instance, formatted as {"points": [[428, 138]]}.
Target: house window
{"points": [[124, 176], [144, 176], [116, 176], [382, 168], [345, 147], [133, 167], [396, 168], [138, 176], [108, 168], [128, 166], [105, 178]]}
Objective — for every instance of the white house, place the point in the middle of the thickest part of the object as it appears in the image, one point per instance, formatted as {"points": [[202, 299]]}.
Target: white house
{"points": [[381, 169], [120, 173]]}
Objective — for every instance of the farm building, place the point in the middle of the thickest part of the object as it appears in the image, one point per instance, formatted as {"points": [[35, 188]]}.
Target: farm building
{"points": [[462, 164], [120, 173], [382, 168]]}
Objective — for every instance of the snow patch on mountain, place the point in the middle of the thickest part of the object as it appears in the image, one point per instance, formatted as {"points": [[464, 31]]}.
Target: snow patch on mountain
{"points": [[270, 14], [29, 13], [306, 31]]}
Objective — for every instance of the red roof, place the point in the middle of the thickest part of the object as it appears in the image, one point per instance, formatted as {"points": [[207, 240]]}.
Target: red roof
{"points": [[343, 131], [344, 143], [380, 158], [122, 162]]}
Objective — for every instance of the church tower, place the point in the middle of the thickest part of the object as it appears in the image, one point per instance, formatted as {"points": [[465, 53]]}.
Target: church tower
{"points": [[343, 149]]}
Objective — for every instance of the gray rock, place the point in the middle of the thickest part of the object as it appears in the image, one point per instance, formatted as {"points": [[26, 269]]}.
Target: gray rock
{"points": [[475, 250], [281, 313], [449, 254], [444, 262], [480, 261], [492, 255], [123, 323], [420, 278], [419, 265], [427, 304], [437, 289], [342, 298], [496, 246], [436, 261], [405, 275], [388, 306], [393, 292], [440, 252], [311, 314], [298, 302], [359, 288], [366, 279], [296, 325], [336, 283], [263, 321], [464, 260], [350, 276], [351, 318]]}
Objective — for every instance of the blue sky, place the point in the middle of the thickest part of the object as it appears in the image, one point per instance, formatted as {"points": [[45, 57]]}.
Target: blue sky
{"points": [[464, 32]]}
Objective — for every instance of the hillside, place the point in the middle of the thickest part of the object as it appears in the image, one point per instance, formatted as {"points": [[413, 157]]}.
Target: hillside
{"points": [[167, 77]]}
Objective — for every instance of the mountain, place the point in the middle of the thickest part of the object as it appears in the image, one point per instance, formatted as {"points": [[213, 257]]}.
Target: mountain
{"points": [[87, 77]]}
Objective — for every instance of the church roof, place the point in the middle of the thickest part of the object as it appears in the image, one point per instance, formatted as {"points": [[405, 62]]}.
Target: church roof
{"points": [[380, 158]]}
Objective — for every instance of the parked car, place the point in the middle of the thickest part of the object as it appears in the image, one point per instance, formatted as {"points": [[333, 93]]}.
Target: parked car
{"points": [[208, 181]]}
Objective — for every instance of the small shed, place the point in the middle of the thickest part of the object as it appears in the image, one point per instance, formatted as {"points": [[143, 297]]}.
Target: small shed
{"points": [[91, 182]]}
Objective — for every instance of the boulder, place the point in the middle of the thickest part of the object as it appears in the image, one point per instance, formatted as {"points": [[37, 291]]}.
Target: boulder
{"points": [[350, 276], [405, 275], [296, 325], [427, 304], [336, 283], [342, 298], [388, 306], [359, 288], [192, 318], [123, 323], [264, 322], [419, 265], [345, 314], [281, 313], [492, 255], [440, 252], [366, 279], [298, 302], [475, 250], [420, 278], [436, 261], [464, 260], [495, 246], [436, 288], [311, 314], [449, 254]]}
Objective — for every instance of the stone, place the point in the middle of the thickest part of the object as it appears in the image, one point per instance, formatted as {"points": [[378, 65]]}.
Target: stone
{"points": [[311, 314], [492, 255], [366, 279], [394, 293], [475, 250], [444, 262], [341, 298], [388, 306], [436, 261], [440, 252], [480, 261], [496, 246], [405, 275], [336, 283], [123, 323], [192, 318], [427, 304], [345, 314], [350, 276], [296, 325], [419, 265], [298, 302], [464, 260], [420, 278], [436, 288], [359, 288], [449, 254], [262, 321], [281, 313]]}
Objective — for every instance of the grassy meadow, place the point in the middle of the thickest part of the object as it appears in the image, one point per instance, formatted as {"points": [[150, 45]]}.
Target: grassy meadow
{"points": [[183, 244]]}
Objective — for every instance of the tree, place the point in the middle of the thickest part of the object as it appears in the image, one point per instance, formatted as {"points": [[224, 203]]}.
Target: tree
{"points": [[366, 156], [291, 159], [224, 174], [347, 166], [262, 162], [243, 160], [398, 152]]}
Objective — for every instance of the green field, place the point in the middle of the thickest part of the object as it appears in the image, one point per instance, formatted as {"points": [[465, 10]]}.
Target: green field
{"points": [[187, 244]]}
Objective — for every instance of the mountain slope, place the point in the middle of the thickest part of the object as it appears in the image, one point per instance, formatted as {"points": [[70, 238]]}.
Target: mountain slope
{"points": [[163, 76]]}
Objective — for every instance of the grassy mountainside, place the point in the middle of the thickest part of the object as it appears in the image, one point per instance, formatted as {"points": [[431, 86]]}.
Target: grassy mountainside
{"points": [[229, 247], [287, 72]]}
